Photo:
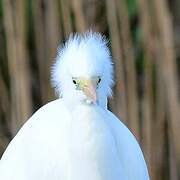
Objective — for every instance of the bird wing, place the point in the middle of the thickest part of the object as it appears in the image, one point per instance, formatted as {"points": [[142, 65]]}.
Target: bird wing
{"points": [[39, 148], [129, 151]]}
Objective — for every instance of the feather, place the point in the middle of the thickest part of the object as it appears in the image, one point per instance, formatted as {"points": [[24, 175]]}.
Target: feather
{"points": [[83, 54]]}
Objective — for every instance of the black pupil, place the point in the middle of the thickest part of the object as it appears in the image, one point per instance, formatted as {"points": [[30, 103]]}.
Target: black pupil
{"points": [[99, 80], [74, 81]]}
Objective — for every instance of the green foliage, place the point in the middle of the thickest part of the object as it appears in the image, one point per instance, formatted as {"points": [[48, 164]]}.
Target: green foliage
{"points": [[132, 7], [136, 35], [0, 12]]}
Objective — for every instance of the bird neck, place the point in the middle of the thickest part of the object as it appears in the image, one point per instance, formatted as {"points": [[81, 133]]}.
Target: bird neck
{"points": [[72, 104]]}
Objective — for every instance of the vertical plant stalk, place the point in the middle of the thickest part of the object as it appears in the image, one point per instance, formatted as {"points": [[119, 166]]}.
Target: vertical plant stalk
{"points": [[95, 15], [80, 21], [147, 110], [15, 29], [4, 113], [172, 162], [118, 103], [130, 71], [66, 17], [40, 46], [160, 160], [169, 73], [53, 37]]}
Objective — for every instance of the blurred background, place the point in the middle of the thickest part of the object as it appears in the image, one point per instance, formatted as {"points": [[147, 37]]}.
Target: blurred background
{"points": [[145, 44]]}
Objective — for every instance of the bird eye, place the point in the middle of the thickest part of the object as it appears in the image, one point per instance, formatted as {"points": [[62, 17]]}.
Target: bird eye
{"points": [[99, 80], [74, 81]]}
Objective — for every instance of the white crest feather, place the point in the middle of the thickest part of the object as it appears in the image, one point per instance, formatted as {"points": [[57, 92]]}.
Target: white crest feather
{"points": [[83, 55]]}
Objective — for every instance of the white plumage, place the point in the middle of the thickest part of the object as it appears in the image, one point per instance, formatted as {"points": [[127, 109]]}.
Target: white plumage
{"points": [[76, 137]]}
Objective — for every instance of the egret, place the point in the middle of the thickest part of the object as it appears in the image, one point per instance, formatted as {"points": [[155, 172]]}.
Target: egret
{"points": [[76, 137]]}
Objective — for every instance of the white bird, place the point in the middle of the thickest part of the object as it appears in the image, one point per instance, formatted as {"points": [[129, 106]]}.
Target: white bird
{"points": [[76, 137]]}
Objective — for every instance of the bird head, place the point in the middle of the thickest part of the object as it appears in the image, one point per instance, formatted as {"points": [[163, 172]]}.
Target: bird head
{"points": [[83, 71]]}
